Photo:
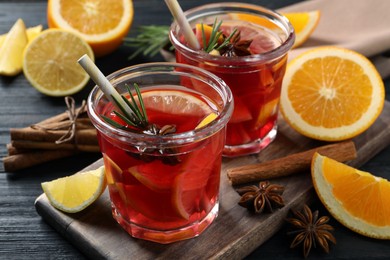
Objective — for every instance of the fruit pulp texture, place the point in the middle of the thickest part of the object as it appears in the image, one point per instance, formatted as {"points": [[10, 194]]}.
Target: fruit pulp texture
{"points": [[164, 192], [256, 88]]}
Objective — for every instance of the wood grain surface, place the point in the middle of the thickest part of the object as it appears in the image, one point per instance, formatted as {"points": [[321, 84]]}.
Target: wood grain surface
{"points": [[24, 234], [237, 231]]}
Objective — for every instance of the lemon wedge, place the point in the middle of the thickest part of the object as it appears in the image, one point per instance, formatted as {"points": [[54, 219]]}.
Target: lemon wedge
{"points": [[76, 192], [207, 120], [11, 50], [31, 32]]}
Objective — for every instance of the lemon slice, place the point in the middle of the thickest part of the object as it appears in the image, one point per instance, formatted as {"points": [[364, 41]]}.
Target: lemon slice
{"points": [[74, 193], [50, 62], [11, 50]]}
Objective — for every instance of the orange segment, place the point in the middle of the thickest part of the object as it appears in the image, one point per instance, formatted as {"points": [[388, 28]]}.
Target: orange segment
{"points": [[359, 200], [304, 24], [331, 94], [103, 23]]}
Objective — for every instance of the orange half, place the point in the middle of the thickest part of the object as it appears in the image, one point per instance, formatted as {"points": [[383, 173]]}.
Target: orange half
{"points": [[102, 23]]}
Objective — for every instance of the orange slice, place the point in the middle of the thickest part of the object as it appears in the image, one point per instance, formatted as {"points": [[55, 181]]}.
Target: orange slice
{"points": [[175, 102], [304, 24], [357, 199], [74, 193], [103, 24], [331, 94]]}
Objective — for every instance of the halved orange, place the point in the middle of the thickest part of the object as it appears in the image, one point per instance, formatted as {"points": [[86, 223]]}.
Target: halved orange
{"points": [[304, 24], [103, 23], [357, 199], [331, 94]]}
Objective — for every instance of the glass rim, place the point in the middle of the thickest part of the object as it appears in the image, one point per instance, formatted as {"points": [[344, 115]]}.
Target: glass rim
{"points": [[277, 52], [157, 140]]}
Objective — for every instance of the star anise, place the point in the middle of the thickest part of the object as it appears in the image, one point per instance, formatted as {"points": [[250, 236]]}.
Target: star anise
{"points": [[264, 197], [236, 47], [310, 230]]}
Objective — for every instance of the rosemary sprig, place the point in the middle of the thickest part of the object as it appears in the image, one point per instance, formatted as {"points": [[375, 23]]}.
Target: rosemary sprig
{"points": [[214, 37], [150, 40], [138, 118]]}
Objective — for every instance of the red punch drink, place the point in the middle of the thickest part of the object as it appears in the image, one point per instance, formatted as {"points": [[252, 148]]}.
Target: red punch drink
{"points": [[252, 65], [164, 180]]}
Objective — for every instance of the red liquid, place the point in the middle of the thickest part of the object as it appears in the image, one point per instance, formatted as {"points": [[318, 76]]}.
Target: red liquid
{"points": [[153, 192], [255, 87]]}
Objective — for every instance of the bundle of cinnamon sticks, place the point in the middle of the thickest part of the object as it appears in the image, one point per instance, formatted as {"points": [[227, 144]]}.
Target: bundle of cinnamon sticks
{"points": [[60, 136]]}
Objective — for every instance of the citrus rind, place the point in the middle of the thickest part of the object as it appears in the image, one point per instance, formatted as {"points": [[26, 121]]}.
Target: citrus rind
{"points": [[296, 121], [325, 192], [304, 30], [69, 194], [51, 68]]}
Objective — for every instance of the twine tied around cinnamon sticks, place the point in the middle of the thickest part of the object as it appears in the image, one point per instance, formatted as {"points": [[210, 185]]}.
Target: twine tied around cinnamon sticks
{"points": [[73, 114], [63, 135]]}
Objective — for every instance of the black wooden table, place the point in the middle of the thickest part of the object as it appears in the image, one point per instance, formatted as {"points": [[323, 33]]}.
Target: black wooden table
{"points": [[24, 235]]}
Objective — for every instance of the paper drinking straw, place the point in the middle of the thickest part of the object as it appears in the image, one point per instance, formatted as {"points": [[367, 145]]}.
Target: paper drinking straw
{"points": [[102, 82], [184, 25]]}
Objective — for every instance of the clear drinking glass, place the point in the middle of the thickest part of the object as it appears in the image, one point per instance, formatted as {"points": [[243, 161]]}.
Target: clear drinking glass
{"points": [[255, 80], [165, 187]]}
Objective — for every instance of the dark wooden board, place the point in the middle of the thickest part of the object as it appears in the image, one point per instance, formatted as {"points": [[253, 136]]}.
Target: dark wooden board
{"points": [[234, 234]]}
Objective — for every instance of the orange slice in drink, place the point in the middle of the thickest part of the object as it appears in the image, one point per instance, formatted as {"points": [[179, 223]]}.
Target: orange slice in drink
{"points": [[175, 102], [357, 199], [103, 24], [150, 177], [113, 171], [331, 94], [269, 109], [207, 30]]}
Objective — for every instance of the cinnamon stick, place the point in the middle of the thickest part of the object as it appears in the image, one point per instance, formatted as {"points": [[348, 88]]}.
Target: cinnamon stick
{"points": [[17, 162], [18, 144], [82, 136], [294, 163]]}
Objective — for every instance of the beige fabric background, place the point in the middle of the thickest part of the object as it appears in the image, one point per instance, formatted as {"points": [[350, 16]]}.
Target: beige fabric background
{"points": [[360, 25]]}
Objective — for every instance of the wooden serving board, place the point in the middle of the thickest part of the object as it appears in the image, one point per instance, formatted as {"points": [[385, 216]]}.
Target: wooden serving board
{"points": [[234, 234]]}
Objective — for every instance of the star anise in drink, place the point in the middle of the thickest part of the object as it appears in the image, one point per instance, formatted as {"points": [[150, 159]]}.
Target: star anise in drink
{"points": [[137, 121], [262, 198], [236, 47], [310, 230]]}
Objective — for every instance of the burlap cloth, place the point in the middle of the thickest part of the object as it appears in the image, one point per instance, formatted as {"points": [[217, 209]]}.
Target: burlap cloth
{"points": [[360, 25]]}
